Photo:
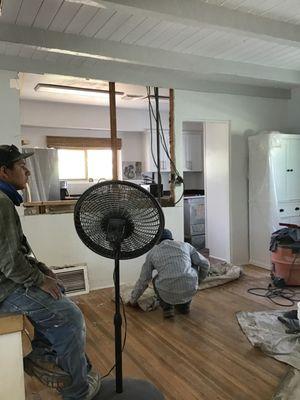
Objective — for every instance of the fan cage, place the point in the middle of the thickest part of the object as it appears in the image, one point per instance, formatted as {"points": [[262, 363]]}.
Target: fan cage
{"points": [[120, 199]]}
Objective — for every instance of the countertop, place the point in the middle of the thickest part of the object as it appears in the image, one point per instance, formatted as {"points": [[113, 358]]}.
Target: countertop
{"points": [[194, 197]]}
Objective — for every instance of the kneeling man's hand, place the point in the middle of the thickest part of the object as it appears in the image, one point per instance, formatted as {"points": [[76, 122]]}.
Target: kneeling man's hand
{"points": [[133, 305]]}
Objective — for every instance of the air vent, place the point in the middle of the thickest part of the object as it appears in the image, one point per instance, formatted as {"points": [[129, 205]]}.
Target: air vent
{"points": [[74, 278]]}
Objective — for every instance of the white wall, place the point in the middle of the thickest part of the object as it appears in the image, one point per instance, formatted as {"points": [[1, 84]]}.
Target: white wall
{"points": [[247, 116], [78, 116], [9, 110], [55, 241], [293, 112]]}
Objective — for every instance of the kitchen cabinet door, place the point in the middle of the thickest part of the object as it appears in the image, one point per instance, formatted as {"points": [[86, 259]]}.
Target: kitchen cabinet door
{"points": [[150, 163], [193, 151]]}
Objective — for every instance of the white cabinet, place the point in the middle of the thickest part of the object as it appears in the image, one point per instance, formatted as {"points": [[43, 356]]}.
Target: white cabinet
{"points": [[151, 155], [192, 151], [286, 164]]}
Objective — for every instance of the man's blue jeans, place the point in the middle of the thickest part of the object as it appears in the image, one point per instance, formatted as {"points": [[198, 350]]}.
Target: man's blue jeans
{"points": [[62, 324]]}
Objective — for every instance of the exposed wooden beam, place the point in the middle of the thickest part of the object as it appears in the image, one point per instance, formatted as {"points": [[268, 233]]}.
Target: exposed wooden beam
{"points": [[172, 143], [113, 128], [142, 56], [197, 13], [140, 75]]}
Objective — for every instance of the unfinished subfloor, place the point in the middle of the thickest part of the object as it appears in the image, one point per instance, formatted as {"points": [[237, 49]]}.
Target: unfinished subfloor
{"points": [[203, 356]]}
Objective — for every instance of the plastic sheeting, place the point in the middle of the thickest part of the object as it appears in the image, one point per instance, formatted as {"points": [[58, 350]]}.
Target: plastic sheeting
{"points": [[219, 274], [289, 388], [262, 188], [264, 153], [263, 330]]}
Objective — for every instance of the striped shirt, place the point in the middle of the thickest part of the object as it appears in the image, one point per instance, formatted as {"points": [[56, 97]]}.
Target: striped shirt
{"points": [[177, 265]]}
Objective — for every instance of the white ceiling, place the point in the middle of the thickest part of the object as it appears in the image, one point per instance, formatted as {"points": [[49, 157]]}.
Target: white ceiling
{"points": [[28, 82], [242, 46]]}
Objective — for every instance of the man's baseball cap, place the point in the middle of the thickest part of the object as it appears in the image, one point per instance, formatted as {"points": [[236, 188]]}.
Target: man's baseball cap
{"points": [[11, 154], [166, 234]]}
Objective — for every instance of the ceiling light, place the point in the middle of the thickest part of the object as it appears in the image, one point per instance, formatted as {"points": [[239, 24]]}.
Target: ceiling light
{"points": [[61, 89], [132, 97], [161, 98], [143, 97]]}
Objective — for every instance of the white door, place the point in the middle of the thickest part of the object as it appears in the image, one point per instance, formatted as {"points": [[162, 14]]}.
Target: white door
{"points": [[216, 156]]}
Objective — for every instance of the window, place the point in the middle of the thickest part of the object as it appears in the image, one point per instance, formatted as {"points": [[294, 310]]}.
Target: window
{"points": [[85, 164]]}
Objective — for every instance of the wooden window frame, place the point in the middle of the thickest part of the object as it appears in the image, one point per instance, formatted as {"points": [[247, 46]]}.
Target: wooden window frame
{"points": [[82, 143]]}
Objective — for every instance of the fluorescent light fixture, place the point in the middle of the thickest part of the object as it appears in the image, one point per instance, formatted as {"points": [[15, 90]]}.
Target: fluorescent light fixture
{"points": [[131, 97], [161, 98], [92, 3], [61, 89]]}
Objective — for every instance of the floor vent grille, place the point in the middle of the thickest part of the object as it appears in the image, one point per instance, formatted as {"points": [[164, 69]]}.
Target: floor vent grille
{"points": [[74, 278]]}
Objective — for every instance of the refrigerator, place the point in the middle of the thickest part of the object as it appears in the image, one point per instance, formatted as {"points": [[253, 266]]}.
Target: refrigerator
{"points": [[43, 184]]}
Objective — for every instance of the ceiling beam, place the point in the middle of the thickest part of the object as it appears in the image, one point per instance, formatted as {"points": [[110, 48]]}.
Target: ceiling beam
{"points": [[142, 56], [140, 75], [197, 13]]}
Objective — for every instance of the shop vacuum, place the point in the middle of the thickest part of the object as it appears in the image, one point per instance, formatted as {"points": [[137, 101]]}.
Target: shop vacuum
{"points": [[285, 256]]}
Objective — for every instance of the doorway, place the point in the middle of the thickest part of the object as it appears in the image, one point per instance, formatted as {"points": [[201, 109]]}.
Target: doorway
{"points": [[207, 196]]}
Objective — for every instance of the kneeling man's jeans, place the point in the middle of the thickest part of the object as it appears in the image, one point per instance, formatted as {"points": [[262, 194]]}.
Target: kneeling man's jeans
{"points": [[62, 324]]}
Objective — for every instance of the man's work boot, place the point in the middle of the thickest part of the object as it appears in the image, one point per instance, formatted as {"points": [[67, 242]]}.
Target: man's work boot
{"points": [[169, 312], [48, 373]]}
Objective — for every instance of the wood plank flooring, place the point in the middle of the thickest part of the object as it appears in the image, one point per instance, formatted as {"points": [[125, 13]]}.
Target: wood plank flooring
{"points": [[201, 356]]}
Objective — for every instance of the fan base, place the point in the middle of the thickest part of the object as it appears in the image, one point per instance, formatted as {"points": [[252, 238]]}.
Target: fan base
{"points": [[136, 389]]}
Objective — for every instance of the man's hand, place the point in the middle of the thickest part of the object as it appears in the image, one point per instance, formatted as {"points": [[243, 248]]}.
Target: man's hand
{"points": [[60, 283], [50, 273], [51, 286]]}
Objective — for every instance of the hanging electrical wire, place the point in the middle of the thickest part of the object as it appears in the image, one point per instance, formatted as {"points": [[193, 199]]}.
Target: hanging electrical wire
{"points": [[177, 178]]}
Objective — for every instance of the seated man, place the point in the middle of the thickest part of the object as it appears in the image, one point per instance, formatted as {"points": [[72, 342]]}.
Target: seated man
{"points": [[179, 268], [29, 287]]}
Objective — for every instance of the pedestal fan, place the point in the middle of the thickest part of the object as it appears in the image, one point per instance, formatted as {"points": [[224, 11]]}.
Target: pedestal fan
{"points": [[120, 220]]}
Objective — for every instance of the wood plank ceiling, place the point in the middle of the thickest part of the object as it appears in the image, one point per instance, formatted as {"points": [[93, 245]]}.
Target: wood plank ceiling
{"points": [[204, 46]]}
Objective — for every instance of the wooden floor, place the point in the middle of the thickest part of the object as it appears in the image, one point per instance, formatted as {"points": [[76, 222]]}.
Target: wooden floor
{"points": [[203, 356]]}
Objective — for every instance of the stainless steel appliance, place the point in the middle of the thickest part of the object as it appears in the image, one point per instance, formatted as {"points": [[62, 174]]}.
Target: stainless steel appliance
{"points": [[194, 221], [64, 190], [44, 179]]}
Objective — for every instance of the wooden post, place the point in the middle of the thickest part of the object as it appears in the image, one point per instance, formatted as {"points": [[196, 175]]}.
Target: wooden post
{"points": [[156, 94], [113, 129], [172, 143]]}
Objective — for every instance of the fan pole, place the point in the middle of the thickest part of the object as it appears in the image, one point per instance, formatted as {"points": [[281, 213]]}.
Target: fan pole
{"points": [[118, 327]]}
